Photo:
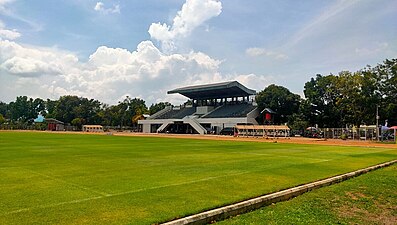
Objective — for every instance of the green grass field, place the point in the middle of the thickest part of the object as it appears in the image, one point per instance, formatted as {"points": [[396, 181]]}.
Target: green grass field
{"points": [[91, 179], [368, 199]]}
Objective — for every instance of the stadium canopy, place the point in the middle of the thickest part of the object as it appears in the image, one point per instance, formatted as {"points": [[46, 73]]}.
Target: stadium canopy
{"points": [[229, 89]]}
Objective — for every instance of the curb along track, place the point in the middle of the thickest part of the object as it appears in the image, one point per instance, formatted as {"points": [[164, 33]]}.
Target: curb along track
{"points": [[258, 202]]}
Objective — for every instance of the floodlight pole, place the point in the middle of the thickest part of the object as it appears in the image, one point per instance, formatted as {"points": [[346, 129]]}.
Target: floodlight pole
{"points": [[377, 122]]}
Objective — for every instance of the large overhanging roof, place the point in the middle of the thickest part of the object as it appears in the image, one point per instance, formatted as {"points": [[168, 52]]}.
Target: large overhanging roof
{"points": [[214, 91]]}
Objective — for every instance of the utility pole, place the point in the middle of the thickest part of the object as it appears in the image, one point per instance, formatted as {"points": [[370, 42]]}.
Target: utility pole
{"points": [[377, 122]]}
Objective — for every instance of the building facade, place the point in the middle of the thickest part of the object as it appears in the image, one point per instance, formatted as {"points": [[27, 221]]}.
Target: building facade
{"points": [[212, 108]]}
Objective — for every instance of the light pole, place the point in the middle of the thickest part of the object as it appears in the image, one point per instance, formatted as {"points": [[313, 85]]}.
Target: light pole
{"points": [[377, 122]]}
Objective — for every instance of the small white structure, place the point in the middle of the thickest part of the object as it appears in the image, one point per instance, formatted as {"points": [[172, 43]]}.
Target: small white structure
{"points": [[262, 130], [92, 128]]}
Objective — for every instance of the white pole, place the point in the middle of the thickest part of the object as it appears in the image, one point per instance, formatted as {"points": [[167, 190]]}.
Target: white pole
{"points": [[377, 122]]}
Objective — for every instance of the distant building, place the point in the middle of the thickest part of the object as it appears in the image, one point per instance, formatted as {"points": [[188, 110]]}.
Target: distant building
{"points": [[92, 128], [213, 107], [54, 125]]}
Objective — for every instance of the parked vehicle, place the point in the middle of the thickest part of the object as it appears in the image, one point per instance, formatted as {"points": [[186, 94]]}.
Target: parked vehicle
{"points": [[227, 131]]}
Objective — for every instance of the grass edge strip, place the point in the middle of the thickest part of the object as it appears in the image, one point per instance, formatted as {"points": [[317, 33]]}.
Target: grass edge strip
{"points": [[261, 201]]}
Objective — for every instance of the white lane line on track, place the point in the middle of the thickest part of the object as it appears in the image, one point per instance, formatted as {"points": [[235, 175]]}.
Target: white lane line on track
{"points": [[303, 157], [53, 205], [67, 183], [9, 167], [250, 153], [121, 193], [137, 190], [282, 156]]}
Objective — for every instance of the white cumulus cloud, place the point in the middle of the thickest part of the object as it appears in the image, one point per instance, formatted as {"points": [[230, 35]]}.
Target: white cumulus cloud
{"points": [[7, 33], [110, 74], [254, 81], [3, 3], [255, 52], [100, 6], [29, 67], [30, 62], [193, 14]]}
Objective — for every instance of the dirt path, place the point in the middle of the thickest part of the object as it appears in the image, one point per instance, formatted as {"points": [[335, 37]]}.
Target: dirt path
{"points": [[295, 140]]}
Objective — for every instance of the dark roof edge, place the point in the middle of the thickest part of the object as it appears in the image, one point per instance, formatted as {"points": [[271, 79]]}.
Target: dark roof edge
{"points": [[268, 110], [53, 120], [249, 91], [212, 87]]}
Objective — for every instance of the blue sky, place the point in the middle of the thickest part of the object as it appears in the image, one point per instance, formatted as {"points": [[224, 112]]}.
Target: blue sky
{"points": [[109, 49]]}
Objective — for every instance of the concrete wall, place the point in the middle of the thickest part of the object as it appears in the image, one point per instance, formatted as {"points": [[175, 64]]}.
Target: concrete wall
{"points": [[201, 110], [145, 128], [219, 123]]}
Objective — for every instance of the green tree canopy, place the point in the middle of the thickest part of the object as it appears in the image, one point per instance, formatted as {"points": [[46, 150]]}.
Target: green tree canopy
{"points": [[3, 108], [24, 108], [321, 96], [349, 98], [70, 107], [131, 108], [2, 120], [280, 100]]}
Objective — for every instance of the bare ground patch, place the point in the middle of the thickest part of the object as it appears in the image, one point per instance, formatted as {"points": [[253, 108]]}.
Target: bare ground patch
{"points": [[378, 212]]}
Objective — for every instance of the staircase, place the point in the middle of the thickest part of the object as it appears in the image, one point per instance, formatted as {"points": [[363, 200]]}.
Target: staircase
{"points": [[196, 125], [163, 126]]}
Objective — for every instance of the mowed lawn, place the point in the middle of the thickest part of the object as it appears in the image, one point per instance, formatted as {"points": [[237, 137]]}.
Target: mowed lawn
{"points": [[367, 199], [73, 178]]}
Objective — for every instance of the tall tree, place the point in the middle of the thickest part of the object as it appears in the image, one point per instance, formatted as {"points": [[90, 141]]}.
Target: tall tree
{"points": [[3, 108], [130, 108], [69, 107], [64, 109], [111, 115], [370, 95], [349, 99], [38, 107], [280, 100], [321, 96], [50, 108], [352, 98], [2, 119], [387, 74], [23, 109], [87, 111]]}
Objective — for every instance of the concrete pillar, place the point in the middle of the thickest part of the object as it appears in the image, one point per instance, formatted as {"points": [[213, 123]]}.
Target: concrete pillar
{"points": [[146, 128]]}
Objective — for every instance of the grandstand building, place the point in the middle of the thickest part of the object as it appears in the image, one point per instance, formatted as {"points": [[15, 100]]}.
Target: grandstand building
{"points": [[211, 108]]}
